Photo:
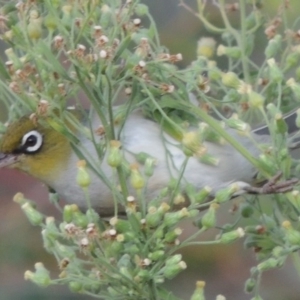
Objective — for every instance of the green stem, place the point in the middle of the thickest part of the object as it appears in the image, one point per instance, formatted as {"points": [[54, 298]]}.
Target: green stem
{"points": [[214, 124], [242, 41], [110, 107], [182, 170], [201, 17]]}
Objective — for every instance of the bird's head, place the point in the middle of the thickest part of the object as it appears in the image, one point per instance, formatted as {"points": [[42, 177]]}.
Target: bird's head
{"points": [[34, 148]]}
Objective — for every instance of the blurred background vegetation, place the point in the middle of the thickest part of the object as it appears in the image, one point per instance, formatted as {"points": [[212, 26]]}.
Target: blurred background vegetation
{"points": [[224, 268]]}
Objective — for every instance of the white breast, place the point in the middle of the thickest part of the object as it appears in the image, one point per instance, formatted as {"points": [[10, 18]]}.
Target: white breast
{"points": [[142, 135]]}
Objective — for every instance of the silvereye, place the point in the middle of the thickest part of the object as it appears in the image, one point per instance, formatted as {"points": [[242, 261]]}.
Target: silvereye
{"points": [[47, 155]]}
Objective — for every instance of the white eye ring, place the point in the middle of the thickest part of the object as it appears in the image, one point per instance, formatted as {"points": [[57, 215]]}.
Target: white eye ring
{"points": [[32, 141]]}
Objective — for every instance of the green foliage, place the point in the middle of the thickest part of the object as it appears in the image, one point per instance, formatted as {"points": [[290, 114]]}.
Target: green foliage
{"points": [[109, 50]]}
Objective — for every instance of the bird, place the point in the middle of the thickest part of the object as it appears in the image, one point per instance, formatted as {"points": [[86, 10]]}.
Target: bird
{"points": [[47, 154]]}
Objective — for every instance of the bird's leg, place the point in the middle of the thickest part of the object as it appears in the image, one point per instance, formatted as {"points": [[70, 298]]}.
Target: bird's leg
{"points": [[272, 186]]}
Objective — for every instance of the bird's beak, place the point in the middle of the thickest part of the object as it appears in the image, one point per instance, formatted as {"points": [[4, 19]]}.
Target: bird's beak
{"points": [[7, 160]]}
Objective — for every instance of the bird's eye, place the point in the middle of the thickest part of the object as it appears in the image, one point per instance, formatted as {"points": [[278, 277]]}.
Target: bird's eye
{"points": [[32, 141]]}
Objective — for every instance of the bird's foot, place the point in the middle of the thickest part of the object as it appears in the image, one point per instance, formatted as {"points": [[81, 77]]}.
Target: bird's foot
{"points": [[273, 186]]}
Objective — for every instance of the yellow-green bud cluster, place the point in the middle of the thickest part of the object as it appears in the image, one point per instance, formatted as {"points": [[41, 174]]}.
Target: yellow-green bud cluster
{"points": [[206, 47], [232, 52], [294, 86], [230, 79], [256, 100], [174, 265], [199, 291], [34, 27], [114, 158], [231, 236], [236, 123], [209, 218], [136, 179], [273, 46], [275, 73], [226, 193], [292, 235], [83, 178], [41, 276], [33, 215], [192, 144]]}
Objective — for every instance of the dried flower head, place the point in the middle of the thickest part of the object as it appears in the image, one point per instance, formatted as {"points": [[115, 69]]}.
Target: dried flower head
{"points": [[58, 42]]}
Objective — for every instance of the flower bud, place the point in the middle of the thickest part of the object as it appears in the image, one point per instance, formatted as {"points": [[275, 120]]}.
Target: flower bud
{"points": [[268, 264], [163, 208], [295, 87], [214, 73], [272, 109], [141, 157], [226, 194], [250, 285], [246, 210], [34, 27], [255, 100], [236, 123], [125, 272], [171, 270], [50, 22], [267, 163], [92, 215], [172, 218], [153, 217], [274, 46], [281, 126], [179, 199], [191, 143], [199, 291], [278, 251], [80, 219], [121, 225], [48, 240], [206, 47], [291, 235], [171, 236], [64, 251], [292, 60], [202, 195], [75, 286], [275, 73], [231, 236], [156, 255], [209, 218], [50, 233], [232, 52], [34, 216], [69, 211], [41, 276], [143, 275], [253, 18], [141, 10], [209, 159], [114, 158], [136, 179], [83, 178], [149, 166], [19, 198], [231, 80]]}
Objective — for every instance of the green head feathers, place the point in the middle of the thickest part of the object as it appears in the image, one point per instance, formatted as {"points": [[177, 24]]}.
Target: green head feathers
{"points": [[34, 148]]}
